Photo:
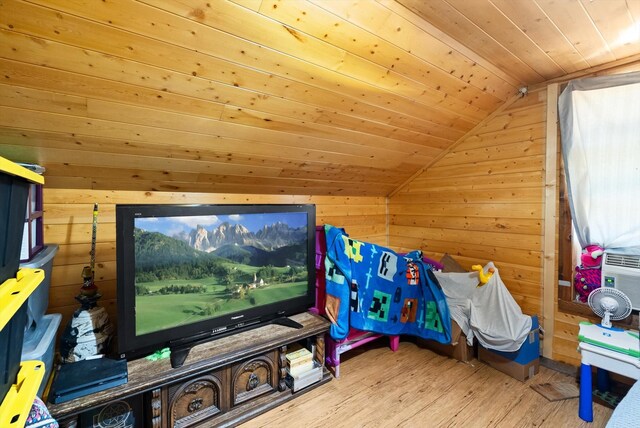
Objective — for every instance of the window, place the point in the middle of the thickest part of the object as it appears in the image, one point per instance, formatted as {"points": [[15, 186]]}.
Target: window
{"points": [[599, 119]]}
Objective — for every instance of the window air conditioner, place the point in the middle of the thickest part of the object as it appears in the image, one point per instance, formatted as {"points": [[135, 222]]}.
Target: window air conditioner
{"points": [[623, 272]]}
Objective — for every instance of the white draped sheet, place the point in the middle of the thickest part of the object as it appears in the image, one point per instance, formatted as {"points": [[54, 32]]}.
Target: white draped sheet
{"points": [[488, 313]]}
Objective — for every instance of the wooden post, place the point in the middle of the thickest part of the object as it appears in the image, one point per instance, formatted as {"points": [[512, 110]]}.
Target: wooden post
{"points": [[549, 274]]}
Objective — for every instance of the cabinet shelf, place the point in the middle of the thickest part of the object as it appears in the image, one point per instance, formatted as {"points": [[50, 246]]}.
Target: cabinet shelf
{"points": [[222, 382]]}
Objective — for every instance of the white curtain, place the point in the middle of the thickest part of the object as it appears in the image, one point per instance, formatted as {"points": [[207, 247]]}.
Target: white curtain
{"points": [[600, 127]]}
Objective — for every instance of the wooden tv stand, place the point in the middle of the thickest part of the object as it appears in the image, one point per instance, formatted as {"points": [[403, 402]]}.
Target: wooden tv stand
{"points": [[222, 383]]}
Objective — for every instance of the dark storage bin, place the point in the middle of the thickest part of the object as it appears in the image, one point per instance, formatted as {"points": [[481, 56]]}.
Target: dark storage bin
{"points": [[14, 192], [11, 338], [13, 205]]}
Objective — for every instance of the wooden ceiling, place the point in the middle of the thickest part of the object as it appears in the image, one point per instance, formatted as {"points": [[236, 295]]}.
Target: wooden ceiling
{"points": [[321, 97]]}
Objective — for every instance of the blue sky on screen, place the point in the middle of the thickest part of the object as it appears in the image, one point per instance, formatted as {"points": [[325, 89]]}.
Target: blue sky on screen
{"points": [[171, 226]]}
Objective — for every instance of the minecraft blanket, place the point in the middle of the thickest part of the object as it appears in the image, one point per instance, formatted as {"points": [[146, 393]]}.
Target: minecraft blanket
{"points": [[372, 288]]}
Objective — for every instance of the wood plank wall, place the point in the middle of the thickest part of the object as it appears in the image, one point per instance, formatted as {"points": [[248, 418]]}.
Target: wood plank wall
{"points": [[483, 201], [68, 222]]}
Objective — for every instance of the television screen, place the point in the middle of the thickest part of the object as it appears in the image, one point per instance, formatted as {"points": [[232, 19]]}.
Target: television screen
{"points": [[197, 270]]}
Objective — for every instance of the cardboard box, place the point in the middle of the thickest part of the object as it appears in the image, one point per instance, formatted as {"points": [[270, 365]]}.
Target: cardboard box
{"points": [[516, 370], [457, 349], [522, 364], [530, 349]]}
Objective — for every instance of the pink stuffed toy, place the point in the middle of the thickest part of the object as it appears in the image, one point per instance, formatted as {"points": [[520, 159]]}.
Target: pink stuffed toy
{"points": [[587, 277], [585, 281], [591, 257]]}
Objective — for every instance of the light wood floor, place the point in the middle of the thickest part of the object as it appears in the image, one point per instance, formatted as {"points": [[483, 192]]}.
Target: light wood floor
{"points": [[415, 387]]}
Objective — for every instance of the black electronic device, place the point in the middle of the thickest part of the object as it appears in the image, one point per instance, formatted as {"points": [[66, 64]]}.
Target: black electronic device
{"points": [[192, 273], [86, 377]]}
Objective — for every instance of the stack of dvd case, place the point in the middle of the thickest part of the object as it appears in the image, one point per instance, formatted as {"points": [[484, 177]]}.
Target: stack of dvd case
{"points": [[302, 369]]}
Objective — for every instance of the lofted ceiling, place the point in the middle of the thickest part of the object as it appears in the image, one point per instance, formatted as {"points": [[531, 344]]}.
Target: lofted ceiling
{"points": [[322, 97]]}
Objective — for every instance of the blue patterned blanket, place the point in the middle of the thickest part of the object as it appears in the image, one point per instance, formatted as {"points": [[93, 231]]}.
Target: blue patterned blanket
{"points": [[372, 288]]}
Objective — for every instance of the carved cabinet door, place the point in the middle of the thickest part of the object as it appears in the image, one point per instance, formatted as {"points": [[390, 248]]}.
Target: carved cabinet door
{"points": [[195, 400], [254, 377]]}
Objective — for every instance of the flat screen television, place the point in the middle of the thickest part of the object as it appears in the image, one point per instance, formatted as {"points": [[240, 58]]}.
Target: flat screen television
{"points": [[191, 273]]}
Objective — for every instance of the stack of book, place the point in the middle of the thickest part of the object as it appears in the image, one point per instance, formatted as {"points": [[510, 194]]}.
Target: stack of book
{"points": [[302, 369]]}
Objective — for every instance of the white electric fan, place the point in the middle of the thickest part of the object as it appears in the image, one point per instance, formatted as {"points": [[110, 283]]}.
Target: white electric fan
{"points": [[610, 304]]}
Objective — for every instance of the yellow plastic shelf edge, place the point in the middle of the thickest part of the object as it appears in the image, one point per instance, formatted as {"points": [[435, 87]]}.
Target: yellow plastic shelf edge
{"points": [[19, 171], [15, 291], [16, 405]]}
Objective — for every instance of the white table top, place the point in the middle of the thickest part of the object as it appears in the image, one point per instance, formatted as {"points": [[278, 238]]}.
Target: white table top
{"points": [[617, 362]]}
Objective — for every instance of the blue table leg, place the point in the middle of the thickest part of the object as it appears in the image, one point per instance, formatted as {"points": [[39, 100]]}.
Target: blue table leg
{"points": [[585, 407], [602, 380]]}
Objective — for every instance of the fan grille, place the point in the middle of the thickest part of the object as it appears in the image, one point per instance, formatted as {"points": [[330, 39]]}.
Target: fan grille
{"points": [[599, 300]]}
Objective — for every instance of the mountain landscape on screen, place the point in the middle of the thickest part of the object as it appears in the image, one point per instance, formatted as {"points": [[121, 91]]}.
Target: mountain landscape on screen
{"points": [[185, 273], [268, 238]]}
